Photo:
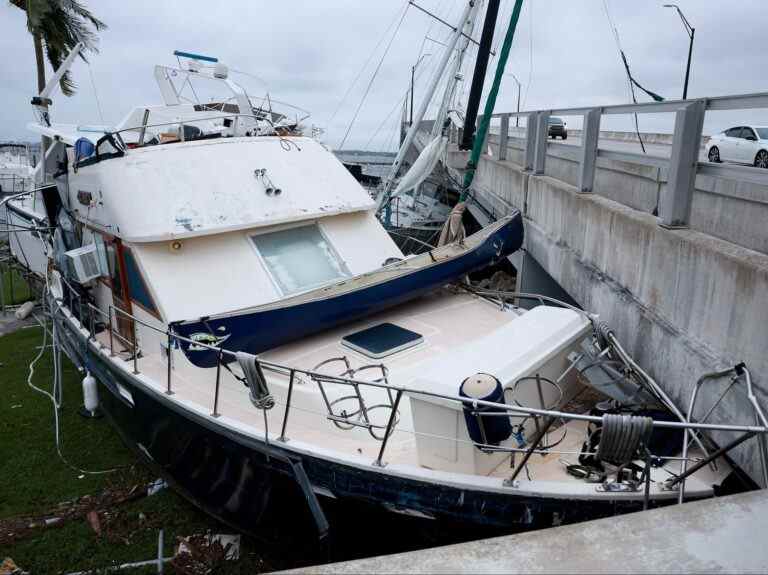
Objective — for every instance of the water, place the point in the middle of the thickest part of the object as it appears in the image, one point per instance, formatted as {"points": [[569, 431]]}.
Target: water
{"points": [[374, 163]]}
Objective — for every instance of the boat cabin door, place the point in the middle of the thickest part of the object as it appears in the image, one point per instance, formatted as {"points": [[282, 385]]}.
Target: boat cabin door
{"points": [[122, 324]]}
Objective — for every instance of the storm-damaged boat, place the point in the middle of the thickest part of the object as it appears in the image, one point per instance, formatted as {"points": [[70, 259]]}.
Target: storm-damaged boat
{"points": [[246, 322], [17, 166]]}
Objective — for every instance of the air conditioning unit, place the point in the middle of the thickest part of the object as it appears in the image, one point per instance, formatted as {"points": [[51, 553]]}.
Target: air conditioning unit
{"points": [[87, 263]]}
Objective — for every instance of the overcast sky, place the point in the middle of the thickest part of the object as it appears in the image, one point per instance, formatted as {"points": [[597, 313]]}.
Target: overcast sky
{"points": [[309, 52]]}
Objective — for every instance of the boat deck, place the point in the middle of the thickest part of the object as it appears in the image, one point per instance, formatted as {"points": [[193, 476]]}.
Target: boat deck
{"points": [[310, 429], [446, 320]]}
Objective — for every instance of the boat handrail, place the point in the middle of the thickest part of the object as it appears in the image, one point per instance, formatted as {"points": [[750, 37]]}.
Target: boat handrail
{"points": [[193, 120], [760, 429], [190, 120], [285, 370], [115, 137], [7, 199]]}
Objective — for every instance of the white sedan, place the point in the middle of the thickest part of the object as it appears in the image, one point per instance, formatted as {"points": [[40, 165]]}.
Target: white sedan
{"points": [[741, 144]]}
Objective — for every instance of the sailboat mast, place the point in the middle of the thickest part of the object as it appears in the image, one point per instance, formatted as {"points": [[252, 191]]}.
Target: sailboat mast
{"points": [[419, 116], [481, 66], [453, 79], [490, 103]]}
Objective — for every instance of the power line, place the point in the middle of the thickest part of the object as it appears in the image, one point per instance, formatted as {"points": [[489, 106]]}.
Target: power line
{"points": [[373, 78], [397, 105], [626, 69], [364, 66], [530, 54], [96, 95]]}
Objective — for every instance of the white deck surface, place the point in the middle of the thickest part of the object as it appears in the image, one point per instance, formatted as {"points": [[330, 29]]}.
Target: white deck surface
{"points": [[469, 321]]}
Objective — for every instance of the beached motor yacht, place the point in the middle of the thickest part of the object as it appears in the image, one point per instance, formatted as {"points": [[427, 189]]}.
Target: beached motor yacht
{"points": [[249, 323]]}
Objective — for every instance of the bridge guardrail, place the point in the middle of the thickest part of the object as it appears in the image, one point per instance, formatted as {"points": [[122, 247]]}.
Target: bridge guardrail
{"points": [[682, 166]]}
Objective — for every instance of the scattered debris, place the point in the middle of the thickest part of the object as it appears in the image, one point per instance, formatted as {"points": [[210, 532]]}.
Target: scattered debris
{"points": [[499, 281], [156, 486], [15, 528], [134, 565], [94, 522], [8, 567], [204, 554]]}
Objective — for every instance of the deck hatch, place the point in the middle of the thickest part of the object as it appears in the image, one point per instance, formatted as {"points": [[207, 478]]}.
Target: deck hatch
{"points": [[382, 340]]}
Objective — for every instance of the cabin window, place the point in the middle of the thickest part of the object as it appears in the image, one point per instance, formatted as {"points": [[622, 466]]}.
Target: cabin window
{"points": [[114, 270], [299, 258], [136, 286]]}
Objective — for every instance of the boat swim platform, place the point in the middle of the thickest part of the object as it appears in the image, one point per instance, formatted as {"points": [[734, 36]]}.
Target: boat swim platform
{"points": [[717, 535]]}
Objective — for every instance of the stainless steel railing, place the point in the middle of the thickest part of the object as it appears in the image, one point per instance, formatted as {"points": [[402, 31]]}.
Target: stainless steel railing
{"points": [[189, 121], [396, 392]]}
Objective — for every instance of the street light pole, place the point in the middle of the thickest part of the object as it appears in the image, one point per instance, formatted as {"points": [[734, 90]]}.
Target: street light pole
{"points": [[517, 118], [688, 67], [691, 31]]}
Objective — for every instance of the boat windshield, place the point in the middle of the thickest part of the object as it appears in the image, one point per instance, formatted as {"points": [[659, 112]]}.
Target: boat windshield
{"points": [[299, 258]]}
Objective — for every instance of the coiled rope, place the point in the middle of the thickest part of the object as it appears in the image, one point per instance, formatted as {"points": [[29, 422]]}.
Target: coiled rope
{"points": [[258, 392], [622, 436]]}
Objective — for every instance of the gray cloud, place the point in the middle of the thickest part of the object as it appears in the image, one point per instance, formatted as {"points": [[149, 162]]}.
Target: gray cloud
{"points": [[309, 52]]}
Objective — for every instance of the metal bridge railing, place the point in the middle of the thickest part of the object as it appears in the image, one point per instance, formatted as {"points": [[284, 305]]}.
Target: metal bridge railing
{"points": [[682, 166]]}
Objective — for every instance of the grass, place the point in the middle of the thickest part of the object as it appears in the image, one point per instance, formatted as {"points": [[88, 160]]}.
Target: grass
{"points": [[36, 484], [35, 480], [13, 285]]}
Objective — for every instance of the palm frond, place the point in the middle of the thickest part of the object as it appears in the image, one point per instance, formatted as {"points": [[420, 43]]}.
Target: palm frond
{"points": [[83, 13], [62, 24]]}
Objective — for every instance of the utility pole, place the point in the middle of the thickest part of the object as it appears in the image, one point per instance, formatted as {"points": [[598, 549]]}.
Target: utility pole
{"points": [[691, 31]]}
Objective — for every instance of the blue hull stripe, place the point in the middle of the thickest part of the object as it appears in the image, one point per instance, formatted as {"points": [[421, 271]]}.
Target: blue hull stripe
{"points": [[258, 331]]}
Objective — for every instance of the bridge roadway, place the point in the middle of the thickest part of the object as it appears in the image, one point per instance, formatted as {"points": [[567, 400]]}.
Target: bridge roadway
{"points": [[657, 150]]}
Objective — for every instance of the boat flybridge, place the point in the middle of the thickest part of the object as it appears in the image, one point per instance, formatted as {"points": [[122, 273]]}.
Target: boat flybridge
{"points": [[248, 322]]}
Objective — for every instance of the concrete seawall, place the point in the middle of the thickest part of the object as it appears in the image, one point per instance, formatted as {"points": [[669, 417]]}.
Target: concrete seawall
{"points": [[685, 302], [713, 536]]}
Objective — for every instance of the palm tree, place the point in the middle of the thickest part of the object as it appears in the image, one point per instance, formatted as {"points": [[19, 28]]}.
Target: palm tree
{"points": [[57, 26]]}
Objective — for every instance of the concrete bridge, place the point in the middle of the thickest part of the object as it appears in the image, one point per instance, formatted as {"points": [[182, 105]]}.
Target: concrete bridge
{"points": [[671, 251]]}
